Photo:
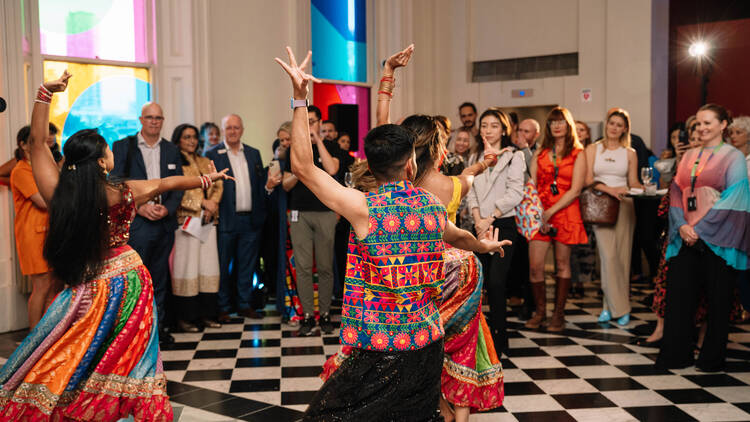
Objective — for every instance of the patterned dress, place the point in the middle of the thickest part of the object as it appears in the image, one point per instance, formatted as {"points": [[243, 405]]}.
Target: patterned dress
{"points": [[472, 373], [390, 364], [95, 353]]}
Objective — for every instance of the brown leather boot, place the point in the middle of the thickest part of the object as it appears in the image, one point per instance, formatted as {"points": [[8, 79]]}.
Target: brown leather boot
{"points": [[540, 300], [561, 296]]}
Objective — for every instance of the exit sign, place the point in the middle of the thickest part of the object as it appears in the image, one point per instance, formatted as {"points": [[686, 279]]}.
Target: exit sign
{"points": [[522, 93]]}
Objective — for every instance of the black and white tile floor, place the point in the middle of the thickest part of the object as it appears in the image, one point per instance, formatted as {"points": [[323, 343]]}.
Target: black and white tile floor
{"points": [[258, 370]]}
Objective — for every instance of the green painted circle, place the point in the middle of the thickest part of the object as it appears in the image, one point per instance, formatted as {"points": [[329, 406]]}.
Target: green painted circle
{"points": [[72, 16]]}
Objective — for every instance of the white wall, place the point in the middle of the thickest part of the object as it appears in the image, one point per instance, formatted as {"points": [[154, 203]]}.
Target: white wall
{"points": [[13, 314], [613, 40]]}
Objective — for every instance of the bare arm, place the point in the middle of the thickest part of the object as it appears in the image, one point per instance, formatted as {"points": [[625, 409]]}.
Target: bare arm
{"points": [[45, 170], [633, 181], [590, 157], [579, 173], [347, 202], [6, 168], [289, 181], [330, 164], [489, 159], [383, 109], [466, 241], [145, 190], [533, 167], [38, 202]]}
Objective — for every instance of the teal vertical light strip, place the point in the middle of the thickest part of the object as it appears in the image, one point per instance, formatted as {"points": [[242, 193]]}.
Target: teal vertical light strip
{"points": [[338, 29]]}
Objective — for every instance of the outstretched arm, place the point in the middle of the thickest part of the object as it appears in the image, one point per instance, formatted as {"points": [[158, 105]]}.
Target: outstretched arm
{"points": [[466, 241], [45, 170], [347, 202], [145, 190], [387, 83]]}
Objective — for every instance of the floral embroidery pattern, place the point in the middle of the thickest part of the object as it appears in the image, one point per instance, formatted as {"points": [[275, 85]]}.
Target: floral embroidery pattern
{"points": [[391, 223], [380, 341], [394, 276], [402, 341]]}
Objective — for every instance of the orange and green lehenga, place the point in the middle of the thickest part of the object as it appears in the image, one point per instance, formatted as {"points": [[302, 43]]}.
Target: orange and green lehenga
{"points": [[472, 373], [95, 353]]}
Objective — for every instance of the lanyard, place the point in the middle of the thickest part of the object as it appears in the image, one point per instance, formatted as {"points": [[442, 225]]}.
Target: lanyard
{"points": [[554, 162], [697, 171]]}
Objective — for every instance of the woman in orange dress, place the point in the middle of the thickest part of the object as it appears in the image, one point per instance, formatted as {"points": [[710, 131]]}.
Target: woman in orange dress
{"points": [[31, 230], [558, 169]]}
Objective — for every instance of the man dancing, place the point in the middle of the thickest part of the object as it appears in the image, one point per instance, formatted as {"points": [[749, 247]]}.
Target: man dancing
{"points": [[394, 275]]}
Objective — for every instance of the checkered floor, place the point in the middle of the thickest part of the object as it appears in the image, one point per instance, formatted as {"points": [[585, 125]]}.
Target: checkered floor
{"points": [[258, 370]]}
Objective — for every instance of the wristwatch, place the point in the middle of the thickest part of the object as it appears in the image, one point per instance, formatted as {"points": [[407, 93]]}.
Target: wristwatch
{"points": [[299, 103]]}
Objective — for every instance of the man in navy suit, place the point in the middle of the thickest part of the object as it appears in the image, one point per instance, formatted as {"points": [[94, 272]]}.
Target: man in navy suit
{"points": [[242, 212], [145, 156]]}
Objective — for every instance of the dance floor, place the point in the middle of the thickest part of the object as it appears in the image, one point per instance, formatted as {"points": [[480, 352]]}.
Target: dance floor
{"points": [[258, 370]]}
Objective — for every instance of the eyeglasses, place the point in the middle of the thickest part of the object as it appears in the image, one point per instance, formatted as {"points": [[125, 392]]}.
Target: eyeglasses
{"points": [[153, 118], [312, 121], [558, 122]]}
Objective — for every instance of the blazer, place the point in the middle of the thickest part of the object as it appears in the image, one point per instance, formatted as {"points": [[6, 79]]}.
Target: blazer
{"points": [[228, 206], [134, 168], [501, 188]]}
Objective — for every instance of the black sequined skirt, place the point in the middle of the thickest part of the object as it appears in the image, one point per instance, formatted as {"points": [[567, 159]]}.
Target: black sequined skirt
{"points": [[382, 386]]}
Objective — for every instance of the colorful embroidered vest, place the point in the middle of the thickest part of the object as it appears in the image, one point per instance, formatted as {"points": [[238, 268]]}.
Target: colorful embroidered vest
{"points": [[394, 276]]}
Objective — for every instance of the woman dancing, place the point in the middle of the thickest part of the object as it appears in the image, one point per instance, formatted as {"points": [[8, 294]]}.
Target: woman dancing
{"points": [[472, 376], [95, 353]]}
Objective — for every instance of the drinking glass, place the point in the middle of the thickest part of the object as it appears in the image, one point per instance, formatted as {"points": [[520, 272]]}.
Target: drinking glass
{"points": [[348, 181], [646, 174]]}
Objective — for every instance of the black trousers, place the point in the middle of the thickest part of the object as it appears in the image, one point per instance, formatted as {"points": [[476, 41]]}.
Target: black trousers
{"points": [[648, 228], [518, 275], [693, 269], [154, 244], [496, 270]]}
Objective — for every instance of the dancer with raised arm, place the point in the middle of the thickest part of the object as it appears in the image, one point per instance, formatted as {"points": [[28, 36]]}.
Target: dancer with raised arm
{"points": [[95, 353], [472, 376], [394, 276]]}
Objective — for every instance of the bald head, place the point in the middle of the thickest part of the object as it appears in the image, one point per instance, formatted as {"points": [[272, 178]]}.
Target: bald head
{"points": [[528, 131], [152, 119], [233, 128]]}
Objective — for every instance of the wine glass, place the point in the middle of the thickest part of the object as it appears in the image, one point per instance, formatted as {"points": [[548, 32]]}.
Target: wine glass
{"points": [[348, 181], [646, 174]]}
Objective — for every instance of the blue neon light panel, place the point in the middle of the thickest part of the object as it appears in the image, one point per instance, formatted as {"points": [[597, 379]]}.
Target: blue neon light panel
{"points": [[339, 39]]}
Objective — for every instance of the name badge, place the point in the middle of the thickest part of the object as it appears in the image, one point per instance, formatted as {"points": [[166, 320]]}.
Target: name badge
{"points": [[221, 151], [171, 166], [294, 216]]}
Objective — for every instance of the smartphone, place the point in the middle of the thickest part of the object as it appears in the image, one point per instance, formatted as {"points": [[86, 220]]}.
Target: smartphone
{"points": [[683, 137], [273, 168]]}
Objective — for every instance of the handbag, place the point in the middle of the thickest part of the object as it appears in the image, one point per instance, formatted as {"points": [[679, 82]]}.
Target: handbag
{"points": [[598, 207], [529, 211]]}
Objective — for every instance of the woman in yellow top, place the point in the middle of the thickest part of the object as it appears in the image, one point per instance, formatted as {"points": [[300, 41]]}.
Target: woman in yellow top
{"points": [[472, 376], [195, 269], [31, 230]]}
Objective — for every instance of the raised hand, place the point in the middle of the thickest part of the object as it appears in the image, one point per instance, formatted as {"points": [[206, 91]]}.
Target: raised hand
{"points": [[59, 84], [297, 74], [399, 59], [492, 244], [216, 175]]}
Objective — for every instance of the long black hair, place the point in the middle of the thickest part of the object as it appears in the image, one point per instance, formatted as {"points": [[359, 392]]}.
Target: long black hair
{"points": [[505, 121], [177, 135], [77, 239]]}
